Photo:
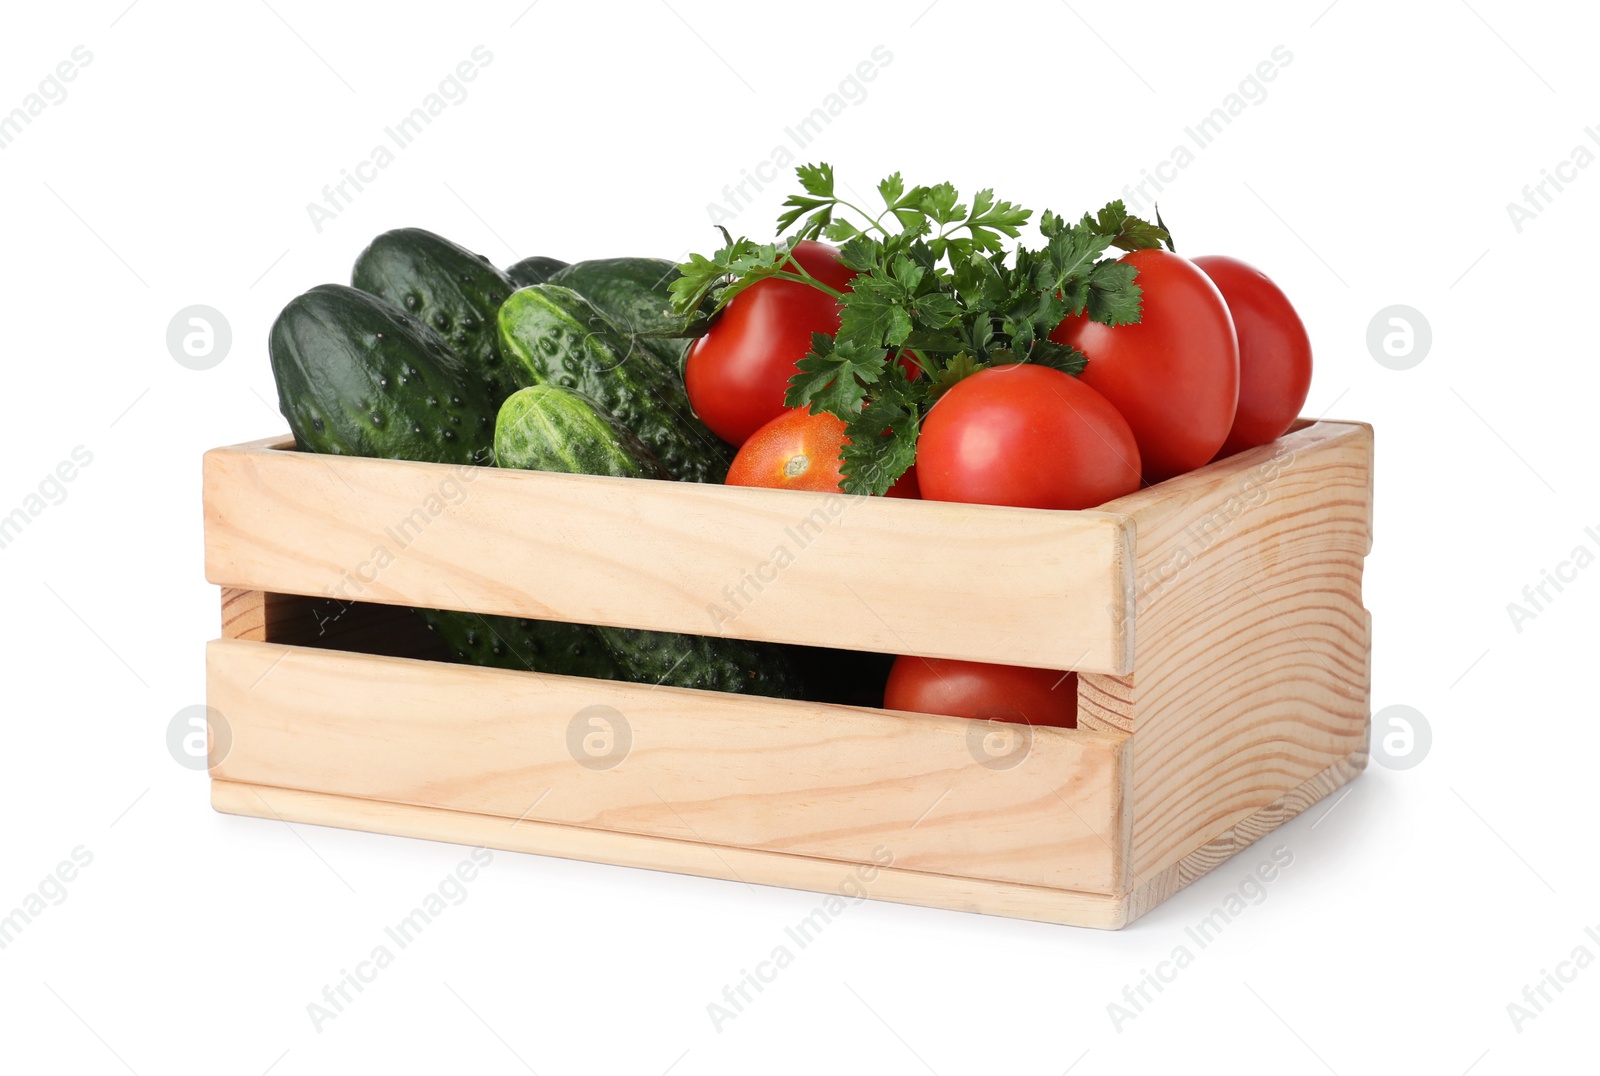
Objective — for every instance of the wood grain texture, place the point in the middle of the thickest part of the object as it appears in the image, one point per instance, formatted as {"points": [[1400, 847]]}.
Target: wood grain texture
{"points": [[1252, 647], [1239, 587], [1016, 586], [1211, 855], [752, 866], [817, 780], [880, 882]]}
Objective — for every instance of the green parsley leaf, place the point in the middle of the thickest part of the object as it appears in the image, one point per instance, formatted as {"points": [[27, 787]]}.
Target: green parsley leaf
{"points": [[816, 179], [832, 376], [1114, 298], [940, 280]]}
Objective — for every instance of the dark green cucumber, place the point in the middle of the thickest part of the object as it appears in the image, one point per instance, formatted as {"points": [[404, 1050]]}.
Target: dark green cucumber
{"points": [[712, 663], [449, 288], [646, 657], [549, 428], [534, 270], [556, 336], [505, 642], [634, 293], [358, 377]]}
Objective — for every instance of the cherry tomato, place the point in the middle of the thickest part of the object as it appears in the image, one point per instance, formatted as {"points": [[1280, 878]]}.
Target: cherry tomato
{"points": [[1027, 436], [1175, 374], [796, 450], [1274, 353], [738, 372], [983, 692]]}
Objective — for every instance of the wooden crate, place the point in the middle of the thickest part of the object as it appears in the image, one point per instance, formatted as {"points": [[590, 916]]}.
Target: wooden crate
{"points": [[1215, 620]]}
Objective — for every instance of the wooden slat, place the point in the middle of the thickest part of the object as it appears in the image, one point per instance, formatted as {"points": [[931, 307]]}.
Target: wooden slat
{"points": [[1015, 586], [811, 779], [775, 868], [1252, 673], [752, 866]]}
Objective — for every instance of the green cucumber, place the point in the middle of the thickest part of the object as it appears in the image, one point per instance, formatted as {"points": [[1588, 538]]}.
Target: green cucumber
{"points": [[635, 294], [556, 336], [447, 287], [358, 377], [506, 642], [549, 428], [711, 663], [535, 270]]}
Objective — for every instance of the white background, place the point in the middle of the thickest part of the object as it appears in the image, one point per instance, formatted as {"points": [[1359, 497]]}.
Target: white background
{"points": [[1376, 171]]}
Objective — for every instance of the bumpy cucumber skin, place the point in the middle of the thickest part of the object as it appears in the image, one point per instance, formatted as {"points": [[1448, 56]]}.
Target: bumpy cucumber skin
{"points": [[645, 657], [535, 270], [557, 336], [505, 642], [450, 289], [634, 293], [357, 377], [549, 428], [712, 663]]}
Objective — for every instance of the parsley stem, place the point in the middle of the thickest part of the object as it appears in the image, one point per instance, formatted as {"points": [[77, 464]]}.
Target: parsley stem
{"points": [[872, 222], [803, 277]]}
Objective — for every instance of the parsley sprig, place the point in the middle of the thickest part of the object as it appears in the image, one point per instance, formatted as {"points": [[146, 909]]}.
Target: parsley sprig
{"points": [[936, 290]]}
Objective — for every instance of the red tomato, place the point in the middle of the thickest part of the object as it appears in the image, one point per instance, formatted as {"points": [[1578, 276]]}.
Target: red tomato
{"points": [[1175, 374], [983, 692], [1027, 436], [906, 485], [738, 372], [1274, 353], [798, 450]]}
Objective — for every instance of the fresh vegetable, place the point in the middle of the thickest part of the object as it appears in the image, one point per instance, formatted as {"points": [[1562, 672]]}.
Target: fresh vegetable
{"points": [[1027, 436], [1274, 353], [799, 450], [796, 450], [358, 377], [738, 373], [535, 270], [549, 428], [447, 287], [505, 642], [1175, 374], [935, 283], [712, 663], [906, 485], [646, 657], [635, 295], [556, 336], [983, 692]]}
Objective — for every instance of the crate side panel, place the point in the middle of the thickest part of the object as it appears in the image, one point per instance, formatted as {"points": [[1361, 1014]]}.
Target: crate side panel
{"points": [[1017, 586], [1252, 646], [879, 881], [810, 779]]}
